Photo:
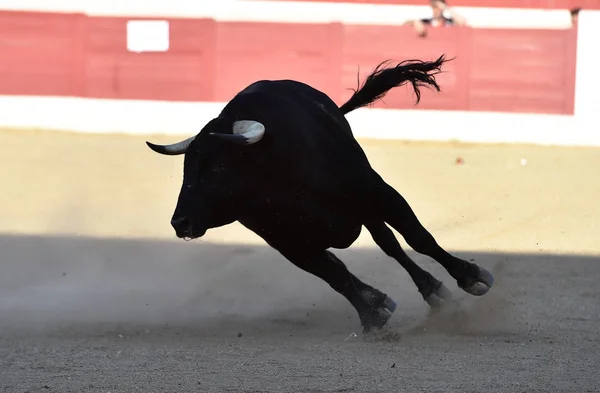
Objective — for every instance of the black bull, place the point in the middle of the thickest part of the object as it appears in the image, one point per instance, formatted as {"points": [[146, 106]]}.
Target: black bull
{"points": [[281, 159]]}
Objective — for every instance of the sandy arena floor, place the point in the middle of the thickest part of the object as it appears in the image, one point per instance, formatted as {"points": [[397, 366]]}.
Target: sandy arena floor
{"points": [[96, 295]]}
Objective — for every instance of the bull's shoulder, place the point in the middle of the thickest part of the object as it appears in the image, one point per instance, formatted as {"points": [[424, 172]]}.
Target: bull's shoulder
{"points": [[285, 96], [294, 100], [311, 99], [289, 88]]}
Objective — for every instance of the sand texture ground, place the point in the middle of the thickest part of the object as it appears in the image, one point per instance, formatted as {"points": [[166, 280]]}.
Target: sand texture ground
{"points": [[97, 295]]}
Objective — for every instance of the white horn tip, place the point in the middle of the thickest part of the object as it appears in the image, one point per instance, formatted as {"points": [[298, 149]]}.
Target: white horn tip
{"points": [[252, 130]]}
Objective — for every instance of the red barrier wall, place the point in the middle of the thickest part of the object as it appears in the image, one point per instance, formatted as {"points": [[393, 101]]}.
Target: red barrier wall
{"points": [[494, 70], [184, 73], [543, 4], [37, 53]]}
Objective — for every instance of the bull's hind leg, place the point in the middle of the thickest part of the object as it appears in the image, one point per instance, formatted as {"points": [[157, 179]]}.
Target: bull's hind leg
{"points": [[374, 308], [432, 290], [394, 210]]}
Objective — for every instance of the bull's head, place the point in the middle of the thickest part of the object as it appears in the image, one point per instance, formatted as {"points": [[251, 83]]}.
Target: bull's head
{"points": [[212, 187]]}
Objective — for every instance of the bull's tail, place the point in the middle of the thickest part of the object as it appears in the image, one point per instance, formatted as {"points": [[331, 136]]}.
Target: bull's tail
{"points": [[418, 73]]}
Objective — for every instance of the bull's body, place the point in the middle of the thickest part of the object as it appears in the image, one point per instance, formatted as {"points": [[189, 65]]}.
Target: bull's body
{"points": [[310, 178], [297, 178]]}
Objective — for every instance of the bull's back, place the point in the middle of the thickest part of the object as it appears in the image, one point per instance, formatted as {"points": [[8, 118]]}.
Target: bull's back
{"points": [[311, 141], [312, 100]]}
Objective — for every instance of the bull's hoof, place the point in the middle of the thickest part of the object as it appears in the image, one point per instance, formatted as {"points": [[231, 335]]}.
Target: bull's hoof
{"points": [[478, 286], [378, 314], [439, 297]]}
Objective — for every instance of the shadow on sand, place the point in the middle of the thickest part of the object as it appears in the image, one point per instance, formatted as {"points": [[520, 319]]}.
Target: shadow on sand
{"points": [[213, 290]]}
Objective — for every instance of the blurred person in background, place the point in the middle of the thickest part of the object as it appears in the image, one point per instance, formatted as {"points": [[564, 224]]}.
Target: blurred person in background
{"points": [[574, 16], [442, 15]]}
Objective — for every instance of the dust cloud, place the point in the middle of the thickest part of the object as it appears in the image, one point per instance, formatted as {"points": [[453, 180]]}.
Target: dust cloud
{"points": [[49, 280]]}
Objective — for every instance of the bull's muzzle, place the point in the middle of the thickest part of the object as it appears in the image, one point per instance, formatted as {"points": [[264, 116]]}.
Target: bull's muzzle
{"points": [[182, 226]]}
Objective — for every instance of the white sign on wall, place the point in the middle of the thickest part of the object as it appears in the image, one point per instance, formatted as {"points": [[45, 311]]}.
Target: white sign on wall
{"points": [[147, 36]]}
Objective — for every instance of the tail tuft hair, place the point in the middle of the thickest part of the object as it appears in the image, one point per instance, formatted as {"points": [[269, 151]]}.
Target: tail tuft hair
{"points": [[381, 80]]}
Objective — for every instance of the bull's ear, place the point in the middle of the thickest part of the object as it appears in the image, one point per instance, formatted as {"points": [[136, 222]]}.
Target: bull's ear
{"points": [[173, 149], [245, 132]]}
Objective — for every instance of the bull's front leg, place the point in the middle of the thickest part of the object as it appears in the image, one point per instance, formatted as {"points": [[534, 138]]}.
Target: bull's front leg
{"points": [[374, 308]]}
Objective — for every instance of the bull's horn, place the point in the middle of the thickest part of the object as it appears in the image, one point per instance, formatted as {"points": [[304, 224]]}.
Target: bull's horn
{"points": [[245, 132], [171, 150]]}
